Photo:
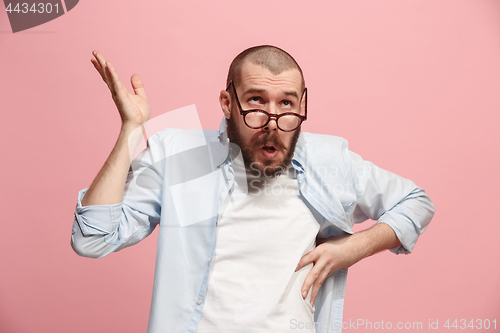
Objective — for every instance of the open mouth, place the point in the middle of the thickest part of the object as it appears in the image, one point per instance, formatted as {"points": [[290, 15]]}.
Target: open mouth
{"points": [[269, 148], [270, 151]]}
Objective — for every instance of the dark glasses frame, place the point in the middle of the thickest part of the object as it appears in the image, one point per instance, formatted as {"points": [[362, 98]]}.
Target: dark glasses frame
{"points": [[276, 117]]}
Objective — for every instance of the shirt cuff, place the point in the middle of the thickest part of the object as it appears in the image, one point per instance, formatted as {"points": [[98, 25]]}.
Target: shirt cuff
{"points": [[406, 233], [96, 219]]}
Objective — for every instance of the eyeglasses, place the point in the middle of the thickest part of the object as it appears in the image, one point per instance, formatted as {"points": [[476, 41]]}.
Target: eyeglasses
{"points": [[256, 118]]}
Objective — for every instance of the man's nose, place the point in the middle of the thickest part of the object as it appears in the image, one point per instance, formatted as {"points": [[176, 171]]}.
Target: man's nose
{"points": [[271, 125], [273, 111]]}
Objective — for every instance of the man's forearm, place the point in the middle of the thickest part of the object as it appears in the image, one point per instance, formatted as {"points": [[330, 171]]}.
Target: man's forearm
{"points": [[108, 186], [340, 252], [349, 249], [375, 239]]}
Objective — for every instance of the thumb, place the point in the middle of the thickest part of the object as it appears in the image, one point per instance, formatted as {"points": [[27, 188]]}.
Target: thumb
{"points": [[137, 85], [306, 259]]}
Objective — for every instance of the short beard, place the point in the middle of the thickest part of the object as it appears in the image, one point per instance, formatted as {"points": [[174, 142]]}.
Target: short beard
{"points": [[254, 168]]}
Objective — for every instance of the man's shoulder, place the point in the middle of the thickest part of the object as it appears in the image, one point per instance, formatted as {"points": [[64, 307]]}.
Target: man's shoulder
{"points": [[185, 133], [316, 150], [174, 140], [323, 142], [188, 136]]}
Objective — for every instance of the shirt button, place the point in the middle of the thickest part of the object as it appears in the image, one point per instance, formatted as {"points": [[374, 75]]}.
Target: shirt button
{"points": [[199, 301], [209, 259], [228, 177]]}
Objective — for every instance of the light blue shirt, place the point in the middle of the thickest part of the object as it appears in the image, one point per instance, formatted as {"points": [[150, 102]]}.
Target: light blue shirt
{"points": [[180, 182]]}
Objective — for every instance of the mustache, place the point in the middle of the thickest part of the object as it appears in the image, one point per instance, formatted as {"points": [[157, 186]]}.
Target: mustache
{"points": [[268, 138]]}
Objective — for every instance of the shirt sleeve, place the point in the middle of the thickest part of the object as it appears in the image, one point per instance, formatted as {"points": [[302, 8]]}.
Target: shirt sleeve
{"points": [[101, 229], [388, 198]]}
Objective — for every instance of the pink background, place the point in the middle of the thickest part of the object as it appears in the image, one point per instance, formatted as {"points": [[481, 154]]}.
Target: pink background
{"points": [[413, 85]]}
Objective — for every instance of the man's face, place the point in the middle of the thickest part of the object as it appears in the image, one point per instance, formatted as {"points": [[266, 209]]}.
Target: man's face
{"points": [[268, 150]]}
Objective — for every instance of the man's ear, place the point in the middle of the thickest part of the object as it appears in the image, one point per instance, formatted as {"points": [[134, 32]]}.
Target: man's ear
{"points": [[225, 103], [303, 103]]}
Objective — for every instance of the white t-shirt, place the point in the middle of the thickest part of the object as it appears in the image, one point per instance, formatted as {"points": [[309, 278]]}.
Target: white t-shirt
{"points": [[263, 232]]}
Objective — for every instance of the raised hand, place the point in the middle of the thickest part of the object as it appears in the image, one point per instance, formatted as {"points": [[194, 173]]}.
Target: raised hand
{"points": [[108, 186], [134, 109]]}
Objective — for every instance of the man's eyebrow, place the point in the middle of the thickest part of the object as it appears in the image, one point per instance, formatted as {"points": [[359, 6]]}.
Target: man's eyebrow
{"points": [[254, 91], [291, 93], [261, 91]]}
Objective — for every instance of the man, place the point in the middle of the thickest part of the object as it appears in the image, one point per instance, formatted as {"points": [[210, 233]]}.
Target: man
{"points": [[240, 209]]}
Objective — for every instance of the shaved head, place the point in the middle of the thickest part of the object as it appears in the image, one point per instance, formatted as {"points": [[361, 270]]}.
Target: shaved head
{"points": [[270, 80], [270, 57]]}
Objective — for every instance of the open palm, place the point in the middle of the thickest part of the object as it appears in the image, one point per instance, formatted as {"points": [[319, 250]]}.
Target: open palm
{"points": [[134, 108]]}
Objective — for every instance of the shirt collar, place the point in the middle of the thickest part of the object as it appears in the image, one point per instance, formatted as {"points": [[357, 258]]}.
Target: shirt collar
{"points": [[299, 154], [223, 139]]}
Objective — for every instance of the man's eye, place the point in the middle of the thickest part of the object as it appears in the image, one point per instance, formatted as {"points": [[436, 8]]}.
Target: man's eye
{"points": [[286, 103], [255, 100]]}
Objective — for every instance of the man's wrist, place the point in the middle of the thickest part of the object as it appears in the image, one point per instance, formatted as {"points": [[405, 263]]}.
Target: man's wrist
{"points": [[373, 240], [129, 127], [131, 134]]}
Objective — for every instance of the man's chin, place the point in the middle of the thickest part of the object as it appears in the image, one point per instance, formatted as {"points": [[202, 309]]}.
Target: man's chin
{"points": [[266, 168]]}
